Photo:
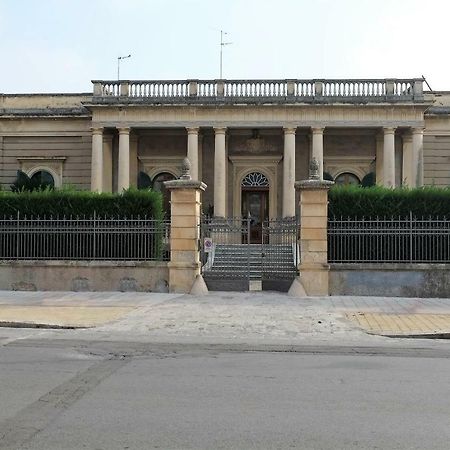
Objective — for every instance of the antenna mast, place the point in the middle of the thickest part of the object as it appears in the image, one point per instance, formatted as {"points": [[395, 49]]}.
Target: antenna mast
{"points": [[222, 45], [119, 58]]}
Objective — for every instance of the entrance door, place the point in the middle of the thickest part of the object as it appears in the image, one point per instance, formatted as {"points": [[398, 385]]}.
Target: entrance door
{"points": [[256, 203]]}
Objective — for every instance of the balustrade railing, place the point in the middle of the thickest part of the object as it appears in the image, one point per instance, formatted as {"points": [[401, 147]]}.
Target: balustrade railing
{"points": [[262, 90], [354, 88]]}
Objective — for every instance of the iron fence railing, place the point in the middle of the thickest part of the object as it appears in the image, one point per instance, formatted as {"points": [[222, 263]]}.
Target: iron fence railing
{"points": [[389, 240], [84, 238]]}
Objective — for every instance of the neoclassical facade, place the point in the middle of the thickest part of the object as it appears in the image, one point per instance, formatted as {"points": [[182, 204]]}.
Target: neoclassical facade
{"points": [[248, 140]]}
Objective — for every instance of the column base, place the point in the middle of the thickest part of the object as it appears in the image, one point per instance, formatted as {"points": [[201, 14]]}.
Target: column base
{"points": [[182, 277], [314, 279]]}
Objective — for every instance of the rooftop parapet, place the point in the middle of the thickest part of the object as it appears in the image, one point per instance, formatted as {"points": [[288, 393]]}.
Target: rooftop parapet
{"points": [[259, 91]]}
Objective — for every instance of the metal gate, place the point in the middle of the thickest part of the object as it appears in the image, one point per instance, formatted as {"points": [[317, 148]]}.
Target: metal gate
{"points": [[280, 253], [233, 260]]}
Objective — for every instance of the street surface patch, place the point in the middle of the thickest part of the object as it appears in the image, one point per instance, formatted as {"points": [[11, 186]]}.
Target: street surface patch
{"points": [[60, 316], [403, 325]]}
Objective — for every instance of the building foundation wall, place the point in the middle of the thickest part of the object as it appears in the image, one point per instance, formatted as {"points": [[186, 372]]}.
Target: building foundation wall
{"points": [[390, 280], [84, 276]]}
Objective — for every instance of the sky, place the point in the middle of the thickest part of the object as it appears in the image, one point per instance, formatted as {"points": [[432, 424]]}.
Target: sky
{"points": [[61, 45]]}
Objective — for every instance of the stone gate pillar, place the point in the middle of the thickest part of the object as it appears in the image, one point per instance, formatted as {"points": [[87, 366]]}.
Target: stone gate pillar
{"points": [[313, 268], [185, 264]]}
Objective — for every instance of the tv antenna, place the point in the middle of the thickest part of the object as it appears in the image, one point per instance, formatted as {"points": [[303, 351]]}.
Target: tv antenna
{"points": [[119, 58], [222, 45]]}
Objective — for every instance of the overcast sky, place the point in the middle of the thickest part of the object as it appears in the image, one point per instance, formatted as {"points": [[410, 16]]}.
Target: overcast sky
{"points": [[61, 45]]}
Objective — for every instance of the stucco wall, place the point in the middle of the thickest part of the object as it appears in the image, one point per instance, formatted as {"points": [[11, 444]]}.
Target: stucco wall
{"points": [[83, 276], [436, 155], [393, 280], [67, 139]]}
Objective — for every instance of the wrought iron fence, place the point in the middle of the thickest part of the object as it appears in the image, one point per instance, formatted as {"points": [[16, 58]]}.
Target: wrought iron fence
{"points": [[385, 240], [84, 238]]}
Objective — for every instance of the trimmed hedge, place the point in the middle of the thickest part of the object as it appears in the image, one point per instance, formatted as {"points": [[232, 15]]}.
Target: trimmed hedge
{"points": [[82, 203], [358, 202]]}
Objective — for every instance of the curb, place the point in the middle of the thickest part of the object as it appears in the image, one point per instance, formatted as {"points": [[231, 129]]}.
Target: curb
{"points": [[46, 326]]}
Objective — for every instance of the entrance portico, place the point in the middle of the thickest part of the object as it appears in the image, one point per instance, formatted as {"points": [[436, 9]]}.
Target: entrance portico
{"points": [[272, 128]]}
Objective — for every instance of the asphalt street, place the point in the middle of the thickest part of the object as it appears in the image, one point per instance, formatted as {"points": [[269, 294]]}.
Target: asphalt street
{"points": [[80, 394]]}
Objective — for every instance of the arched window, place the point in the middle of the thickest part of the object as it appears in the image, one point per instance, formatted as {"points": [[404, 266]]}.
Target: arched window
{"points": [[158, 186], [42, 179], [255, 179], [143, 181], [347, 178]]}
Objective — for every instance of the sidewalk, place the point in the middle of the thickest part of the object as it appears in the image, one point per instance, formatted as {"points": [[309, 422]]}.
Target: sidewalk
{"points": [[226, 316]]}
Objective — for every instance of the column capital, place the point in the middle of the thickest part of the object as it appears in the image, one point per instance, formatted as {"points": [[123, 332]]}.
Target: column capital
{"points": [[317, 130], [123, 130], [192, 130], [289, 130], [417, 130], [406, 138], [220, 130], [97, 130], [389, 130]]}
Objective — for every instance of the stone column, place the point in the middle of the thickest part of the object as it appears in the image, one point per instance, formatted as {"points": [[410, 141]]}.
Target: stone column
{"points": [[185, 265], [107, 162], [379, 158], [220, 165], [192, 151], [97, 160], [134, 141], [389, 157], [288, 207], [317, 148], [408, 172], [417, 145], [123, 178], [314, 266]]}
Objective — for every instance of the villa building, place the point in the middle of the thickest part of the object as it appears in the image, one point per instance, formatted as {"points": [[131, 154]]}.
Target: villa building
{"points": [[248, 140]]}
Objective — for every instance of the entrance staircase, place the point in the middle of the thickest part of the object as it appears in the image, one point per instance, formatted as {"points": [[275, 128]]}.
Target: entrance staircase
{"points": [[243, 266]]}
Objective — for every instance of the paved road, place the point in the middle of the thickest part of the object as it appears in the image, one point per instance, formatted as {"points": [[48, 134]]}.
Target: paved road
{"points": [[69, 394]]}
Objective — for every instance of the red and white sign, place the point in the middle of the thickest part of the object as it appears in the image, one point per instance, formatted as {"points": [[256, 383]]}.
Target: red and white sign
{"points": [[207, 245]]}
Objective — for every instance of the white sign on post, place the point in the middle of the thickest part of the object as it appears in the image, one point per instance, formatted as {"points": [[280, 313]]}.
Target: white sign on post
{"points": [[207, 245]]}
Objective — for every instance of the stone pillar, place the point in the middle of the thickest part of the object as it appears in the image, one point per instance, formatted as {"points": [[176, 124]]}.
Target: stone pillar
{"points": [[417, 150], [408, 172], [192, 151], [107, 162], [288, 206], [133, 160], [97, 160], [379, 158], [123, 178], [317, 148], [389, 157], [314, 266], [184, 265], [220, 165]]}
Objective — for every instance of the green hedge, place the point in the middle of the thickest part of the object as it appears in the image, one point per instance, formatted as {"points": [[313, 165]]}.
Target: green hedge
{"points": [[355, 201], [82, 203]]}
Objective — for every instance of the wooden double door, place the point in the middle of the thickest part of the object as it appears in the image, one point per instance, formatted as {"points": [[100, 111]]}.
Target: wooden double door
{"points": [[255, 202]]}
